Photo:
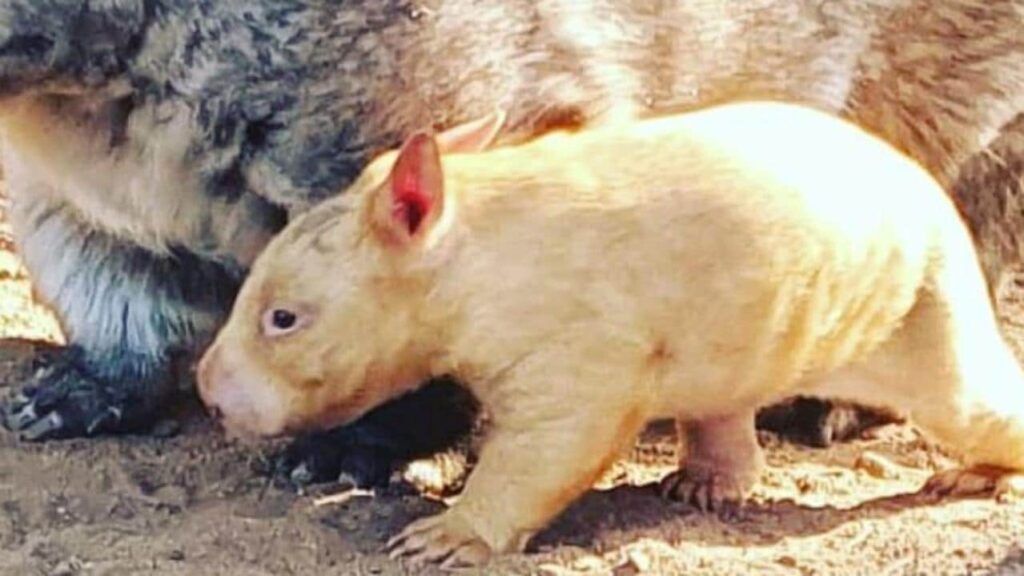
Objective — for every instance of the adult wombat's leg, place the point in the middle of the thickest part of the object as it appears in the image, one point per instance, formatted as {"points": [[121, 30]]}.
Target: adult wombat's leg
{"points": [[820, 422], [126, 311]]}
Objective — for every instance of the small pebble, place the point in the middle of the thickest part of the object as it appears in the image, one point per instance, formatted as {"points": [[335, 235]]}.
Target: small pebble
{"points": [[175, 497], [787, 561], [588, 564], [876, 466], [627, 569], [641, 561], [177, 555]]}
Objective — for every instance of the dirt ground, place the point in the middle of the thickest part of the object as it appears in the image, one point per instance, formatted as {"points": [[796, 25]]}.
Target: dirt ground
{"points": [[192, 504]]}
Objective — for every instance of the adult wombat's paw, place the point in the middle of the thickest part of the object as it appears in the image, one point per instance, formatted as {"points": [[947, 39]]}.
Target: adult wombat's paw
{"points": [[821, 423], [351, 456], [365, 453], [62, 400]]}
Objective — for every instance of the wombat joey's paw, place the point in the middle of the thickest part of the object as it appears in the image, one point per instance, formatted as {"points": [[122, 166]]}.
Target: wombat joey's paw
{"points": [[447, 538], [343, 455], [707, 491], [1002, 483], [61, 401]]}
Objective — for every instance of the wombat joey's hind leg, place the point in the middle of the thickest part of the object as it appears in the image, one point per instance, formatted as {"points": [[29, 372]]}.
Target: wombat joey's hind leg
{"points": [[366, 452], [949, 368], [126, 313], [721, 462]]}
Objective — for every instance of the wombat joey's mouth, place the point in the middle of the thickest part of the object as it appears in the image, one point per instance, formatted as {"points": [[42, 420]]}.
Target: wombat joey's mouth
{"points": [[325, 420], [241, 422], [248, 435]]}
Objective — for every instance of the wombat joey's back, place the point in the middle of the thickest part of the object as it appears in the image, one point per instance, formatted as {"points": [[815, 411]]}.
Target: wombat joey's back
{"points": [[271, 369]]}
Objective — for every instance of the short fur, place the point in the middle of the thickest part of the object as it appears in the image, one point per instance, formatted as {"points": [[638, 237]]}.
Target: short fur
{"points": [[694, 267], [160, 143]]}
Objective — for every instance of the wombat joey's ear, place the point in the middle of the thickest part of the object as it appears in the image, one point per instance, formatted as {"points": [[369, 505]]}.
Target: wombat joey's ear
{"points": [[406, 207], [474, 136]]}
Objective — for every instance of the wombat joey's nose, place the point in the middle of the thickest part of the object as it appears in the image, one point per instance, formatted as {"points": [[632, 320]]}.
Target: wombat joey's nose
{"points": [[214, 381], [215, 385], [203, 373], [237, 397]]}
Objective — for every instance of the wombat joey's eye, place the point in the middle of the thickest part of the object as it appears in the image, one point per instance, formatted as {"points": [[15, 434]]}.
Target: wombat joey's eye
{"points": [[281, 321]]}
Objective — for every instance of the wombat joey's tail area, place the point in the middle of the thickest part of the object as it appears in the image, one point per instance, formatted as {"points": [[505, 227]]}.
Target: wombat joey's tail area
{"points": [[951, 341]]}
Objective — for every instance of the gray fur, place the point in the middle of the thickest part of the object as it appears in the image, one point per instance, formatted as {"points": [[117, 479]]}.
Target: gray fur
{"points": [[122, 299], [68, 45], [997, 217]]}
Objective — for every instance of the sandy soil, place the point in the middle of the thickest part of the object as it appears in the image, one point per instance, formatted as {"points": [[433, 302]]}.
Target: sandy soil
{"points": [[192, 504]]}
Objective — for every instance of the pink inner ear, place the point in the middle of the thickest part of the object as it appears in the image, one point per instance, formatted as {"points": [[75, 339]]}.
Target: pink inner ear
{"points": [[415, 184], [411, 204]]}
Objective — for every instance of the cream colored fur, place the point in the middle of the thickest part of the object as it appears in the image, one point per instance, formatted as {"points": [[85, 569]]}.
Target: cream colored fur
{"points": [[695, 267]]}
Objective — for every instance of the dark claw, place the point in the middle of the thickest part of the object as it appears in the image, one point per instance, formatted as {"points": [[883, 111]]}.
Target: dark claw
{"points": [[20, 413], [301, 475], [45, 429], [64, 401], [42, 398], [107, 420], [345, 453]]}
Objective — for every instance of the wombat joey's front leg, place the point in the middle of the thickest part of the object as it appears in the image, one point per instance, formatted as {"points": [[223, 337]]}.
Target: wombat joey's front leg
{"points": [[720, 465], [127, 313], [551, 438]]}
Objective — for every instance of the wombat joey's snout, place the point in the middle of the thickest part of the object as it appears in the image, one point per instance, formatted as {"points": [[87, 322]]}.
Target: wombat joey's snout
{"points": [[245, 403]]}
